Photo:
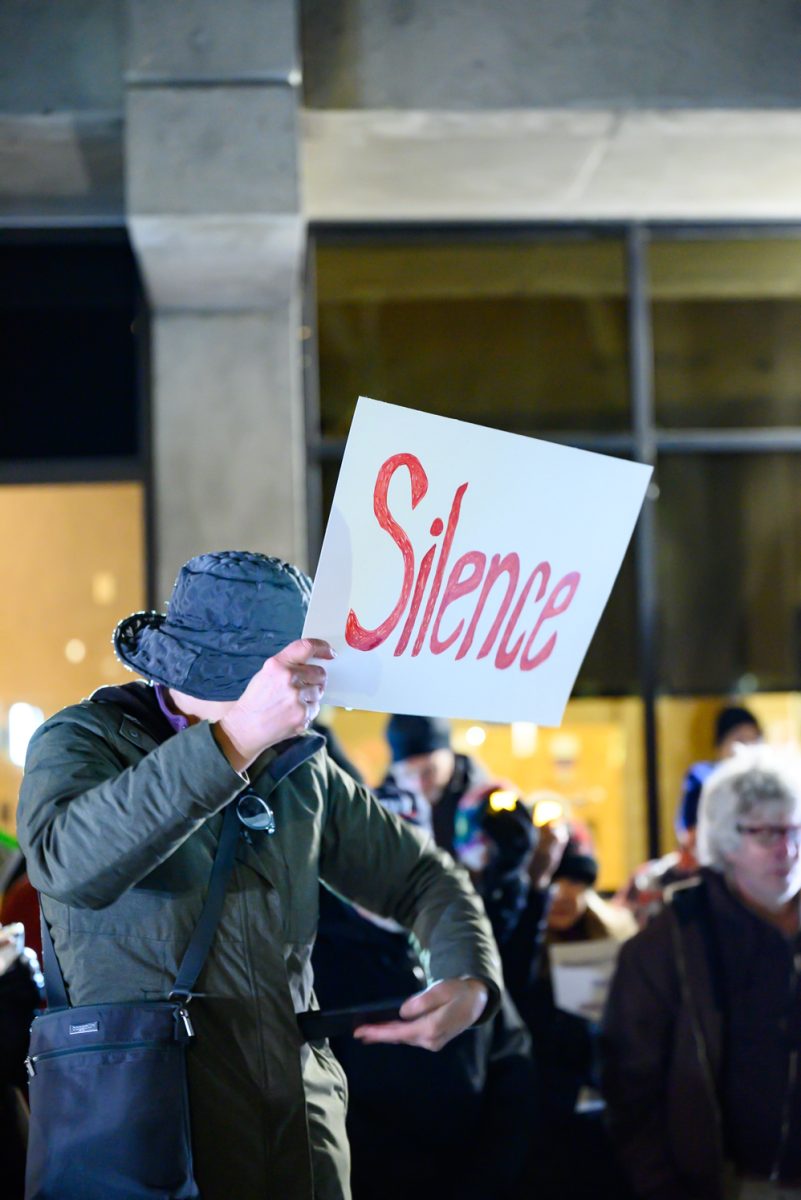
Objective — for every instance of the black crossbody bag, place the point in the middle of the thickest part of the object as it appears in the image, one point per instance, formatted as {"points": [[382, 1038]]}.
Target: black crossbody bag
{"points": [[107, 1082]]}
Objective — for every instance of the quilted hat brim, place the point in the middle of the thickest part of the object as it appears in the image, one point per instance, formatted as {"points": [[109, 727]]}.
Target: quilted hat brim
{"points": [[144, 643], [229, 612]]}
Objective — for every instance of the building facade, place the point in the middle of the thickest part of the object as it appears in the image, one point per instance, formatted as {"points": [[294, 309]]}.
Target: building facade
{"points": [[221, 223]]}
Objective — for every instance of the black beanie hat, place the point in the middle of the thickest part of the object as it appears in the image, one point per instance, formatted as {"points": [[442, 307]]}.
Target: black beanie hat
{"points": [[729, 718], [581, 867], [409, 736]]}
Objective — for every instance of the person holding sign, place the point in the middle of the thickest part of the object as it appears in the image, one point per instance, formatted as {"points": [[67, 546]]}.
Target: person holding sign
{"points": [[120, 817]]}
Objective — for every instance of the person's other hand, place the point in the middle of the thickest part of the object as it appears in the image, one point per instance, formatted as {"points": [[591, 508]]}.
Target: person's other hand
{"points": [[281, 700], [548, 855], [430, 1019]]}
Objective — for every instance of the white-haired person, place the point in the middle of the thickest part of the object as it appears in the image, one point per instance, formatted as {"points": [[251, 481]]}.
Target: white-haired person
{"points": [[703, 1026]]}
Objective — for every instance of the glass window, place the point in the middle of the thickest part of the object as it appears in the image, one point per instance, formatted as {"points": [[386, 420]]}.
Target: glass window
{"points": [[610, 664], [727, 332], [524, 336], [68, 354], [729, 572], [594, 761], [73, 565], [685, 727]]}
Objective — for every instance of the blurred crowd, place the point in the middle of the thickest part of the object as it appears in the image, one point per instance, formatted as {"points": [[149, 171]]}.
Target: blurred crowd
{"points": [[604, 1073], [646, 1044]]}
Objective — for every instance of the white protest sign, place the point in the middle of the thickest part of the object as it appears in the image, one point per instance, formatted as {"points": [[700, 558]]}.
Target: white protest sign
{"points": [[581, 973], [463, 569]]}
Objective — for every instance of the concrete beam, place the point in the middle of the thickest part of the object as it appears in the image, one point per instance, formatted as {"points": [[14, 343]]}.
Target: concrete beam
{"points": [[418, 166], [552, 165], [211, 150], [61, 168]]}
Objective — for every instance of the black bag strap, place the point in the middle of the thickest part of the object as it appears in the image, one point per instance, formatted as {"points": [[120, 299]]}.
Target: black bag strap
{"points": [[198, 948], [297, 752], [200, 943], [55, 991], [293, 753]]}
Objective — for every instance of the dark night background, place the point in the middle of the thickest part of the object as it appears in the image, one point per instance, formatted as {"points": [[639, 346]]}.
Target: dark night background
{"points": [[70, 345]]}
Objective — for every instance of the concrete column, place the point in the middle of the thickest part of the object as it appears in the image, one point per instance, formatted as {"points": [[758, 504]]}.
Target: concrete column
{"points": [[213, 209]]}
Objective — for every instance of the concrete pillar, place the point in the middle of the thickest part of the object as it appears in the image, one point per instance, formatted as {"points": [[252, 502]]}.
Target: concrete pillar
{"points": [[213, 209]]}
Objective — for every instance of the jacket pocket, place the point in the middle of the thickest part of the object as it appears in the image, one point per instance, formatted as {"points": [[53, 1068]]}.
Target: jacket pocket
{"points": [[330, 1070]]}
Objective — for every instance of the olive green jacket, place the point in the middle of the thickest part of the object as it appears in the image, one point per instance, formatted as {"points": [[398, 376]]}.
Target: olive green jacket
{"points": [[119, 832]]}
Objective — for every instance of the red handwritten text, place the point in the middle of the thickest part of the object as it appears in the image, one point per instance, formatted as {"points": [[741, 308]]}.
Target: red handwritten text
{"points": [[469, 572]]}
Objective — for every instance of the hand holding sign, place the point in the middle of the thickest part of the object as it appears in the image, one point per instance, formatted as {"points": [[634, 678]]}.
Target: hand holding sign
{"points": [[464, 570], [282, 699]]}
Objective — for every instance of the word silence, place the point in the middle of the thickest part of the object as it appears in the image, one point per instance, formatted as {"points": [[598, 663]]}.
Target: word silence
{"points": [[523, 606]]}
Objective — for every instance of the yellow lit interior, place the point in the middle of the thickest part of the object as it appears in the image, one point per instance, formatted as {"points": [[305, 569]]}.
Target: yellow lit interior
{"points": [[503, 800], [595, 761], [685, 731], [73, 565]]}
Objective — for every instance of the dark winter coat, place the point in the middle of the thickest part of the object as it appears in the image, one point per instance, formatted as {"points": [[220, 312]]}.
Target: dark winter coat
{"points": [[662, 1049]]}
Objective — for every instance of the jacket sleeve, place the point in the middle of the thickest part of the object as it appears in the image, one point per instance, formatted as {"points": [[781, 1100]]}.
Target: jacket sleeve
{"points": [[377, 860], [636, 1046], [91, 828]]}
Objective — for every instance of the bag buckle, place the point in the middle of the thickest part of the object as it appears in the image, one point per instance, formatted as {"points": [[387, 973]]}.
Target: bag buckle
{"points": [[29, 1067], [182, 1017], [184, 1027]]}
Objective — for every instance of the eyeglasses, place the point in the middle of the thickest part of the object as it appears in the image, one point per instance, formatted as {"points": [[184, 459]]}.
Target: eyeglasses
{"points": [[771, 835]]}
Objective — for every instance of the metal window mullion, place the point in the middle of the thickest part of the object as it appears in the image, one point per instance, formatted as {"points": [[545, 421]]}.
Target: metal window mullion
{"points": [[641, 382], [103, 469], [779, 439], [145, 448], [312, 412]]}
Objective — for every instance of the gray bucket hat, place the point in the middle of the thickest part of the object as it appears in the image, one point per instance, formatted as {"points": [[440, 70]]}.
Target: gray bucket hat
{"points": [[229, 611]]}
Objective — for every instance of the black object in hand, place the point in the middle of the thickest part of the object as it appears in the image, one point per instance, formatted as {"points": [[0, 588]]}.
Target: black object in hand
{"points": [[316, 1024]]}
